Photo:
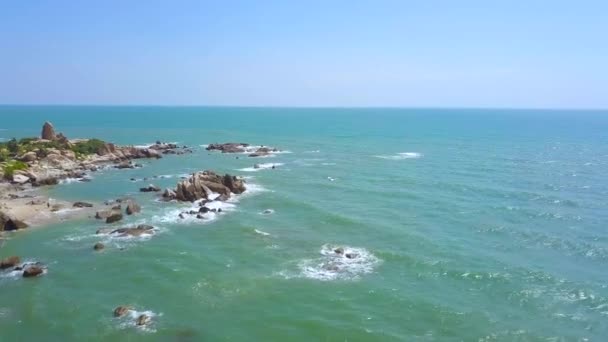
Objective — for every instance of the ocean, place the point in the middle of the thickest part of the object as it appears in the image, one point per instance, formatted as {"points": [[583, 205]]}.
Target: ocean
{"points": [[467, 225]]}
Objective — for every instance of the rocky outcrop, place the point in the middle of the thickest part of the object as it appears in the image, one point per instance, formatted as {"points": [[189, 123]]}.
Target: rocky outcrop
{"points": [[132, 208], [82, 205], [48, 131], [9, 262], [228, 147], [206, 185]]}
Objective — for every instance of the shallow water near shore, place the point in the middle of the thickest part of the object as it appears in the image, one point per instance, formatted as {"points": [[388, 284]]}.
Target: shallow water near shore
{"points": [[472, 225]]}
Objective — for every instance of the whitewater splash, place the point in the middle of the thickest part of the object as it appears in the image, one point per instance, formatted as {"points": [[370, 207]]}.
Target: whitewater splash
{"points": [[172, 215], [263, 233], [129, 320], [337, 263], [264, 166], [401, 156]]}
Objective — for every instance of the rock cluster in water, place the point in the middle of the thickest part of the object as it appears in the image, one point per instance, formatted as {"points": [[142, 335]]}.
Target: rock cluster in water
{"points": [[242, 148], [206, 185]]}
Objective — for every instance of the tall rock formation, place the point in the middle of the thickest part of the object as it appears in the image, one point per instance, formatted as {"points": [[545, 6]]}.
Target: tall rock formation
{"points": [[48, 132]]}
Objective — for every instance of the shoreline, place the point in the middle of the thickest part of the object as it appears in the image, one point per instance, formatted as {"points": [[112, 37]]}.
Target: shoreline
{"points": [[33, 207]]}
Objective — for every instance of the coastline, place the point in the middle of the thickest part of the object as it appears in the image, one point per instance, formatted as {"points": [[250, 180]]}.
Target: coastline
{"points": [[33, 207]]}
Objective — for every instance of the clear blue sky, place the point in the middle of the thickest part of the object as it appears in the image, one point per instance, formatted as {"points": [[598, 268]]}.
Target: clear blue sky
{"points": [[311, 53]]}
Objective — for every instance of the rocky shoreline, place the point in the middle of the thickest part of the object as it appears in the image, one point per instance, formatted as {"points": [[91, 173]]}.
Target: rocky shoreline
{"points": [[31, 163]]}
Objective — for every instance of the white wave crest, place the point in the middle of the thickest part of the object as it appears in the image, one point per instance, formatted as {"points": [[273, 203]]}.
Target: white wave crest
{"points": [[338, 263], [401, 156]]}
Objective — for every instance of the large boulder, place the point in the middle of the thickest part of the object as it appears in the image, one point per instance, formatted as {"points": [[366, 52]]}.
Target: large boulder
{"points": [[20, 179], [29, 157], [48, 132], [132, 208], [236, 185], [8, 223], [121, 311], [104, 214], [115, 217], [9, 262], [32, 271]]}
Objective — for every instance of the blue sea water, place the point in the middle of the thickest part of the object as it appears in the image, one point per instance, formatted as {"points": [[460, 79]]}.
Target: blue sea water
{"points": [[469, 225]]}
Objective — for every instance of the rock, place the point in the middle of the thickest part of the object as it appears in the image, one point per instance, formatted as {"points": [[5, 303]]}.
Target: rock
{"points": [[233, 183], [351, 255], [228, 147], [56, 207], [203, 210], [104, 214], [169, 194], [11, 261], [115, 217], [150, 188], [137, 231], [256, 166], [124, 165], [267, 212], [339, 250], [181, 216], [29, 157], [200, 217], [121, 311], [49, 180], [143, 320], [219, 210], [98, 246], [104, 231], [132, 208], [82, 205], [32, 271], [8, 223], [20, 179], [48, 132]]}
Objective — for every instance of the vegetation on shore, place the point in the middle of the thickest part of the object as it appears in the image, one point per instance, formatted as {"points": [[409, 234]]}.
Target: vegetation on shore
{"points": [[13, 149]]}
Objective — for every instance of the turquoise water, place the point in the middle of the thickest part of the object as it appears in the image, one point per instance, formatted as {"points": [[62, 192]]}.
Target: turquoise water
{"points": [[471, 225]]}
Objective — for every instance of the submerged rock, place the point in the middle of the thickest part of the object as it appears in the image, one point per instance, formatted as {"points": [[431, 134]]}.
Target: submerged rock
{"points": [[98, 246]]}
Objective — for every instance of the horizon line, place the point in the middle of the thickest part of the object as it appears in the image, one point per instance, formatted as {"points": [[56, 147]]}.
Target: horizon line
{"points": [[309, 107]]}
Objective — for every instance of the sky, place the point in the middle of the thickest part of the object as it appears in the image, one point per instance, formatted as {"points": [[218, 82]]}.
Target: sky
{"points": [[468, 53]]}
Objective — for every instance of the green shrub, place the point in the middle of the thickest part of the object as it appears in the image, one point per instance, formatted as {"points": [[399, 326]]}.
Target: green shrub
{"points": [[4, 155], [25, 141], [88, 147], [13, 146], [12, 166]]}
